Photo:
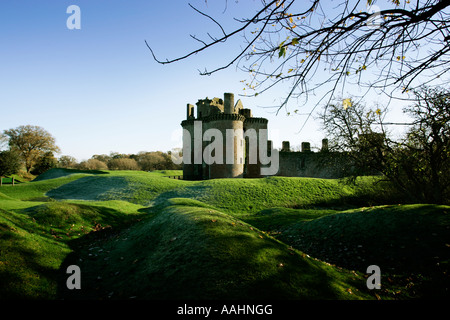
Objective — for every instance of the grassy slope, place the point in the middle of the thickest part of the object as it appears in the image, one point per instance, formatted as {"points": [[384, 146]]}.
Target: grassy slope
{"points": [[36, 234], [178, 240], [133, 186], [190, 251], [4, 196], [408, 242], [36, 190], [61, 172], [235, 196]]}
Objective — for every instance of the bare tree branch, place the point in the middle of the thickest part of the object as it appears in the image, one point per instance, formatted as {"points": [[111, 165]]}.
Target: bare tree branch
{"points": [[322, 45]]}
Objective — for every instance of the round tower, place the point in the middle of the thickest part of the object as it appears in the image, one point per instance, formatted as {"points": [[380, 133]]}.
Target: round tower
{"points": [[188, 149], [231, 127], [190, 169], [252, 127], [228, 103]]}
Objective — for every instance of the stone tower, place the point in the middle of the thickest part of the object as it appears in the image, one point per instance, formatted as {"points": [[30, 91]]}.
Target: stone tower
{"points": [[223, 117]]}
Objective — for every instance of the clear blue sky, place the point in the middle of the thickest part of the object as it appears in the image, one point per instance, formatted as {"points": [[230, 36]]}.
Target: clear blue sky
{"points": [[98, 90]]}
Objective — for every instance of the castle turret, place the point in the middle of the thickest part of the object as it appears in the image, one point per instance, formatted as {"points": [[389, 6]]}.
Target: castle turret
{"points": [[191, 170], [228, 103], [221, 140], [252, 132], [324, 145], [231, 128]]}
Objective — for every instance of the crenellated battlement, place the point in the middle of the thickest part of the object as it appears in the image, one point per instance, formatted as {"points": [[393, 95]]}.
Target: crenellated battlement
{"points": [[305, 146], [225, 116], [222, 115]]}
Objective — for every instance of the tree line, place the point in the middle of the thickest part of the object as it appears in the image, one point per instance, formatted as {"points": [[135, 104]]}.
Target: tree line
{"points": [[144, 160], [417, 163], [32, 149]]}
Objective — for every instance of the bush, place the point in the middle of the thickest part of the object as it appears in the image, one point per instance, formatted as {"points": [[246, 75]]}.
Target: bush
{"points": [[156, 160], [123, 164], [67, 162], [46, 162], [92, 164], [9, 163], [25, 175]]}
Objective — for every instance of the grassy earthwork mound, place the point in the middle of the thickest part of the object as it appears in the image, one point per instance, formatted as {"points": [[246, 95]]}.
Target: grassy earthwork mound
{"points": [[141, 235]]}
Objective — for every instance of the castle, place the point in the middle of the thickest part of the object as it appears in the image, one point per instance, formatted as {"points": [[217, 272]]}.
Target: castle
{"points": [[222, 116]]}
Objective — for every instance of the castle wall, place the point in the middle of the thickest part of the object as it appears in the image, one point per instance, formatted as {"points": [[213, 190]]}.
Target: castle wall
{"points": [[329, 165], [222, 115], [253, 170], [322, 164]]}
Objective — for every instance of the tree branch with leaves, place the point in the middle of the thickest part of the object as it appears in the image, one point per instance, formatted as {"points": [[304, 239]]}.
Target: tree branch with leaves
{"points": [[328, 45]]}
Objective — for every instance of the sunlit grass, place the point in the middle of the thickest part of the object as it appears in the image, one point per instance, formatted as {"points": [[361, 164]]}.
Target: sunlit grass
{"points": [[148, 236]]}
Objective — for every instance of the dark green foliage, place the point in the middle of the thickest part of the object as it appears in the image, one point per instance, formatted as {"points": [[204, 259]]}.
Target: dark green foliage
{"points": [[67, 162], [31, 142], [44, 163], [9, 163]]}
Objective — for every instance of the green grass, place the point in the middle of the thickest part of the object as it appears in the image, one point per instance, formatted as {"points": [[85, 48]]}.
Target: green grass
{"points": [[408, 240], [144, 235], [36, 236], [61, 172], [420, 234], [4, 196], [37, 190], [190, 251], [167, 173], [133, 186], [237, 196]]}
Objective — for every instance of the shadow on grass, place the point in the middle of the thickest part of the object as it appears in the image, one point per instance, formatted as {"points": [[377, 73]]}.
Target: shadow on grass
{"points": [[90, 188], [195, 192], [409, 242], [36, 243], [187, 252], [23, 273], [29, 280], [62, 172], [114, 223]]}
